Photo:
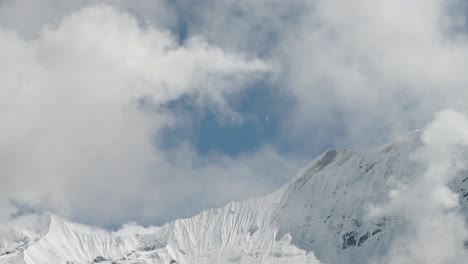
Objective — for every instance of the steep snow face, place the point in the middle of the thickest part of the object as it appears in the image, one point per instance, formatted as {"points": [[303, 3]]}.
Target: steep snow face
{"points": [[323, 211], [70, 242], [19, 235], [326, 208], [23, 232], [50, 239], [240, 232]]}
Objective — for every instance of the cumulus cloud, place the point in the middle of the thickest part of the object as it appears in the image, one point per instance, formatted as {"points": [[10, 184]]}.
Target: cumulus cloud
{"points": [[360, 72], [81, 109], [436, 230], [375, 70]]}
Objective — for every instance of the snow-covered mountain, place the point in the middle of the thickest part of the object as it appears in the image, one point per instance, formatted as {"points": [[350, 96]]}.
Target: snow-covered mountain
{"points": [[322, 213]]}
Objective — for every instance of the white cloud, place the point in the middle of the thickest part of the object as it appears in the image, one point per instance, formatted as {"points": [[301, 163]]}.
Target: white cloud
{"points": [[375, 70], [359, 71], [76, 140], [436, 228]]}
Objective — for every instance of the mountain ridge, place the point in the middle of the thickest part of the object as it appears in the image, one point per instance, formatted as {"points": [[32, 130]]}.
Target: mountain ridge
{"points": [[322, 212]]}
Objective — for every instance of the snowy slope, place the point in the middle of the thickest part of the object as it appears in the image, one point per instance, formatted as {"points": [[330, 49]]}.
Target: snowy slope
{"points": [[323, 211], [57, 241], [240, 232], [326, 208]]}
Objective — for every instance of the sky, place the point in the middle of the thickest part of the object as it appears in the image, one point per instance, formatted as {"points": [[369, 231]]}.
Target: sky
{"points": [[148, 111]]}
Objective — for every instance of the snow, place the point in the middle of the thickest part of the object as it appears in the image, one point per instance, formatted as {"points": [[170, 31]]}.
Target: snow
{"points": [[323, 212], [240, 232]]}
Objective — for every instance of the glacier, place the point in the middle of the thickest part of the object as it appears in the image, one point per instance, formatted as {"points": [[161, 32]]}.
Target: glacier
{"points": [[320, 216]]}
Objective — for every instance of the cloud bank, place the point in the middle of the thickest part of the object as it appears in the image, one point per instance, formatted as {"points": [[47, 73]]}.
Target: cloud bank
{"points": [[360, 72], [81, 107], [436, 229], [84, 87]]}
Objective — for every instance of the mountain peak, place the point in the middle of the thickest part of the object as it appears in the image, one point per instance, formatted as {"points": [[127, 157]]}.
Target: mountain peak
{"points": [[323, 211]]}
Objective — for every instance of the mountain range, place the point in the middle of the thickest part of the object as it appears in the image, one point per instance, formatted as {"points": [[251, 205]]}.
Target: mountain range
{"points": [[324, 214]]}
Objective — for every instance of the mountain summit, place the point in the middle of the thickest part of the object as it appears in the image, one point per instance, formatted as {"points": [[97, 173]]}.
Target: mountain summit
{"points": [[325, 213]]}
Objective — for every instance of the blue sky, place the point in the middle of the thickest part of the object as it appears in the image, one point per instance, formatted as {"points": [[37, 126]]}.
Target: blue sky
{"points": [[262, 109], [124, 102], [265, 105]]}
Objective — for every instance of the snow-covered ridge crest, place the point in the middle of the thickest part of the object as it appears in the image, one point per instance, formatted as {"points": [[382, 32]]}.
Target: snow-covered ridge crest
{"points": [[322, 212], [52, 239], [23, 232], [325, 208], [240, 232], [66, 241]]}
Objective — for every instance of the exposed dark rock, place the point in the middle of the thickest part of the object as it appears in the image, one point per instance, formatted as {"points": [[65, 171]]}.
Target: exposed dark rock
{"points": [[376, 231], [99, 259], [148, 248], [350, 239], [369, 167], [327, 158], [363, 238]]}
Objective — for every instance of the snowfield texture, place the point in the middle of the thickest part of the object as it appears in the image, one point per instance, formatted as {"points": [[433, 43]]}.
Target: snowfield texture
{"points": [[322, 213]]}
